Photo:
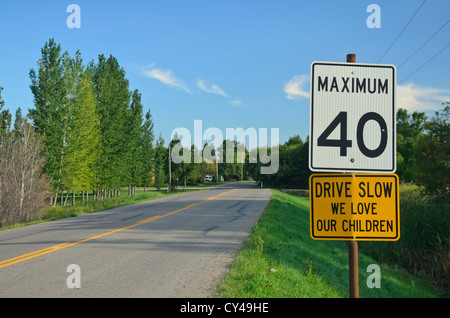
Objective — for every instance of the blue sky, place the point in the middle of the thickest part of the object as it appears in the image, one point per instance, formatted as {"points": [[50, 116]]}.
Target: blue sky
{"points": [[231, 63]]}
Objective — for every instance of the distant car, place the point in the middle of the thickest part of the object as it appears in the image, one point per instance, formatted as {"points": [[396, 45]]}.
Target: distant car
{"points": [[208, 178]]}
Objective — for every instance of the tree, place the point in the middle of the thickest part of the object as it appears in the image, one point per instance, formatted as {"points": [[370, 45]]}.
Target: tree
{"points": [[209, 164], [50, 113], [191, 171], [134, 153], [294, 140], [293, 171], [5, 115], [148, 151], [23, 190], [178, 157], [82, 152], [112, 101], [229, 167], [433, 155], [410, 130], [161, 157]]}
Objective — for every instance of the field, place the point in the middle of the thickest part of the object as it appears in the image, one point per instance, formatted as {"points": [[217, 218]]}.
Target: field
{"points": [[279, 259]]}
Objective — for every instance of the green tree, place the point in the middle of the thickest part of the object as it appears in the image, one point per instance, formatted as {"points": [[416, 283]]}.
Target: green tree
{"points": [[161, 156], [230, 168], [208, 165], [82, 152], [293, 171], [5, 115], [134, 131], [410, 130], [50, 112], [191, 171], [433, 155], [112, 101], [178, 165], [148, 151]]}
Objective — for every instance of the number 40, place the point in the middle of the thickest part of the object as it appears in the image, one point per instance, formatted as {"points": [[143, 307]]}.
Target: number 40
{"points": [[343, 143]]}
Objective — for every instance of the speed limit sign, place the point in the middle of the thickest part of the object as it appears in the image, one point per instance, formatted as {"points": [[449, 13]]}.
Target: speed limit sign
{"points": [[352, 118]]}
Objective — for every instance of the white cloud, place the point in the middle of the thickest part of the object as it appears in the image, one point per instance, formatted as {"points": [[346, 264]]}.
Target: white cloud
{"points": [[215, 89], [420, 98], [236, 102], [165, 77], [295, 87]]}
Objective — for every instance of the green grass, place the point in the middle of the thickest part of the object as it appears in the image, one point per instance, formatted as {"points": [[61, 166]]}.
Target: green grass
{"points": [[279, 259]]}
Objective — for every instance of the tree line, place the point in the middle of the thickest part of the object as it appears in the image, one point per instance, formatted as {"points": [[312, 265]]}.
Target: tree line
{"points": [[423, 150], [423, 155], [293, 171], [95, 136], [86, 135]]}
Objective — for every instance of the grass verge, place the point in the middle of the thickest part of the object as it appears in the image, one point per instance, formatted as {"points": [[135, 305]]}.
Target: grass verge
{"points": [[280, 260]]}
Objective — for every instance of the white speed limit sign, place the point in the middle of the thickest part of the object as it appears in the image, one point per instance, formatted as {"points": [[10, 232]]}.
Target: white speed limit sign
{"points": [[352, 118]]}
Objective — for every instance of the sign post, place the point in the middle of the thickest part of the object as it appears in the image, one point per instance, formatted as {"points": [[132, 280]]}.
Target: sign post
{"points": [[353, 266], [353, 131]]}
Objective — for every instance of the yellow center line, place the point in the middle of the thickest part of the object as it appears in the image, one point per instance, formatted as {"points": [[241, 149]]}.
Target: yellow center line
{"points": [[54, 248], [153, 218], [23, 257]]}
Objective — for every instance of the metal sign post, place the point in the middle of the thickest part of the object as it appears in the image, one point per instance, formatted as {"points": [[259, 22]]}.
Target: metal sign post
{"points": [[353, 267]]}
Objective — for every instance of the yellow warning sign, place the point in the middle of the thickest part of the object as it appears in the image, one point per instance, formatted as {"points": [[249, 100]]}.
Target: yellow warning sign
{"points": [[360, 207]]}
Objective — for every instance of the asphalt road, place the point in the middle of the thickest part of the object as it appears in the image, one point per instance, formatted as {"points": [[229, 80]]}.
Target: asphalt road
{"points": [[179, 246]]}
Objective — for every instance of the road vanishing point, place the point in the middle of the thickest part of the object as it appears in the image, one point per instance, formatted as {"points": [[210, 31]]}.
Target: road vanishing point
{"points": [[177, 246]]}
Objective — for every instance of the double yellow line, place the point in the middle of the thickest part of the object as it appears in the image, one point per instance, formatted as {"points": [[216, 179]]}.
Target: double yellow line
{"points": [[58, 247], [32, 255]]}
